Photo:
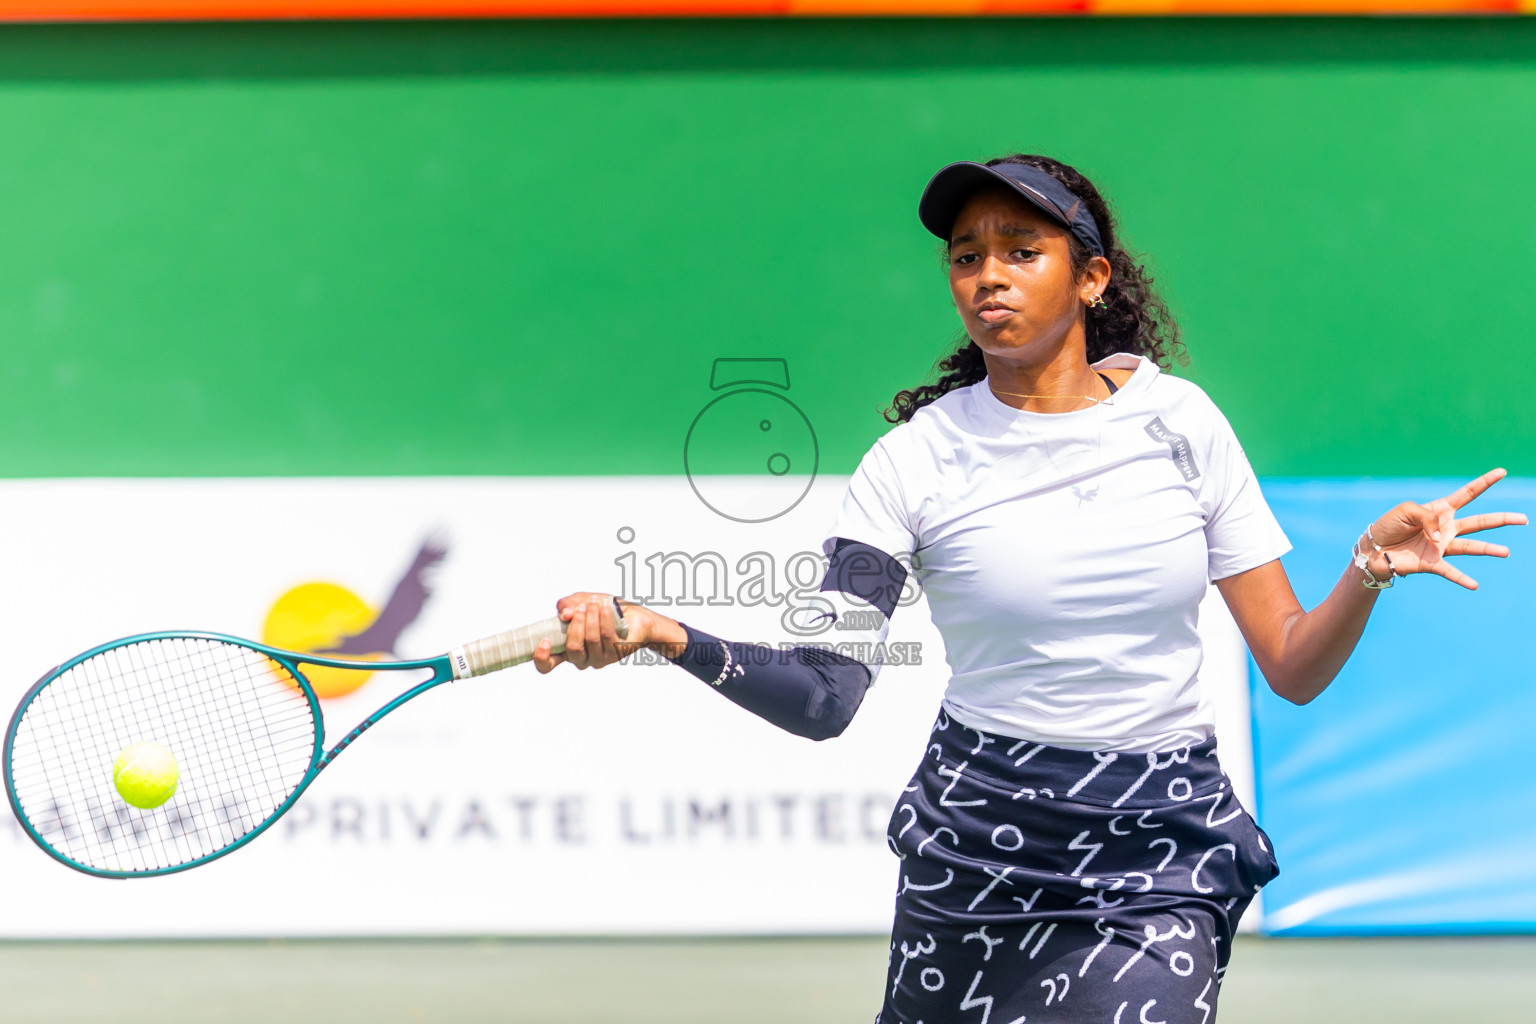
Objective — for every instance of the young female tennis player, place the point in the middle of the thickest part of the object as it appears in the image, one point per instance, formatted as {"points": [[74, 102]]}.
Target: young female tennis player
{"points": [[1070, 848]]}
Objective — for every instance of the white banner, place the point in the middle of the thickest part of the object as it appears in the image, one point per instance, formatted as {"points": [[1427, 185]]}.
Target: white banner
{"points": [[631, 800]]}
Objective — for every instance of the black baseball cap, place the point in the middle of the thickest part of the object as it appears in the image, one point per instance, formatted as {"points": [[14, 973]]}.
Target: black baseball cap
{"points": [[950, 189]]}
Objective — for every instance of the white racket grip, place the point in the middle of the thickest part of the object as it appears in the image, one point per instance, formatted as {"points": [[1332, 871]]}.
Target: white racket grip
{"points": [[515, 646]]}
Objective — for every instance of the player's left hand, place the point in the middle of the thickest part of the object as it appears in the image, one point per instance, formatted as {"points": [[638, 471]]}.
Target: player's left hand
{"points": [[1417, 538]]}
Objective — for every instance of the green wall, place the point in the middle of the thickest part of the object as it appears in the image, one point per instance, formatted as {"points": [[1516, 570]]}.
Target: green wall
{"points": [[516, 247]]}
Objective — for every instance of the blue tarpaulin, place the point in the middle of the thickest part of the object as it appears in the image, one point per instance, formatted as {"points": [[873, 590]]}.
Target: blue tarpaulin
{"points": [[1403, 799]]}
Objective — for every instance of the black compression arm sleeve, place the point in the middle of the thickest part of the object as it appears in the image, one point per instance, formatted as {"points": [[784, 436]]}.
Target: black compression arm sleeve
{"points": [[804, 690]]}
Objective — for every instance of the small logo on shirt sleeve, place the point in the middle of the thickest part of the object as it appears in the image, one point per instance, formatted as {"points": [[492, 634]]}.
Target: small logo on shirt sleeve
{"points": [[1178, 444]]}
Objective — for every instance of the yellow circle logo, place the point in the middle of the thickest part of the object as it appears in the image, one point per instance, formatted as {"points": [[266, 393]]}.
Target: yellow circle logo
{"points": [[328, 619], [316, 617]]}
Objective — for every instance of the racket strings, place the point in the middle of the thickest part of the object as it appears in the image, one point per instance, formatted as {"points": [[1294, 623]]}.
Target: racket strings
{"points": [[240, 728]]}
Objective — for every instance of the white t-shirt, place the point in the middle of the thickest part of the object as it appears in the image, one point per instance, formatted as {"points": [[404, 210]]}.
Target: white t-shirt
{"points": [[1064, 555]]}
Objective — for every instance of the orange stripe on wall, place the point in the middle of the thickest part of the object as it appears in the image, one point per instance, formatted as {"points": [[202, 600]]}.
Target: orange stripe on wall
{"points": [[200, 10], [234, 10], [937, 8], [1309, 6]]}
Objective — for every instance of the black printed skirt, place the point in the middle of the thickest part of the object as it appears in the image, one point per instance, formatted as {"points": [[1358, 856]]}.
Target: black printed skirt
{"points": [[1043, 884]]}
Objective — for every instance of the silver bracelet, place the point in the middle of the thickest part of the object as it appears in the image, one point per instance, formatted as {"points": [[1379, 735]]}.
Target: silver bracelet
{"points": [[1391, 569], [1362, 562]]}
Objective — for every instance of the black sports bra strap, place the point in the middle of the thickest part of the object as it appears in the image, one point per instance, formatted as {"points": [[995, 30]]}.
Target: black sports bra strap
{"points": [[1109, 384]]}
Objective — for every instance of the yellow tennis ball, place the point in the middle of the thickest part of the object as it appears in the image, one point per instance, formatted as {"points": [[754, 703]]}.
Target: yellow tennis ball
{"points": [[145, 774]]}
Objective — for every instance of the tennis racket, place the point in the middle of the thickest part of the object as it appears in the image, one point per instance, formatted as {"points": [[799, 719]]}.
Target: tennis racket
{"points": [[240, 718]]}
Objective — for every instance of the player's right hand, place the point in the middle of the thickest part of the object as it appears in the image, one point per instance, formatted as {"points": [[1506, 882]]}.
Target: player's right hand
{"points": [[591, 640]]}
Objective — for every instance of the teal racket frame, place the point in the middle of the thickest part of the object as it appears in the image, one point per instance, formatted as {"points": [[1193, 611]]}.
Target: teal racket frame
{"points": [[442, 672]]}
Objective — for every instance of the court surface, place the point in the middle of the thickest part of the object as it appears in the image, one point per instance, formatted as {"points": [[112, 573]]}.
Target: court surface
{"points": [[719, 981]]}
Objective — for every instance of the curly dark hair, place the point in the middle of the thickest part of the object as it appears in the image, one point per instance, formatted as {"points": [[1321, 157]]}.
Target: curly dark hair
{"points": [[1136, 320]]}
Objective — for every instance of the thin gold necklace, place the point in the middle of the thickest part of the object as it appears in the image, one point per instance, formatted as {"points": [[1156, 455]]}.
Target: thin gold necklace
{"points": [[1084, 398]]}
